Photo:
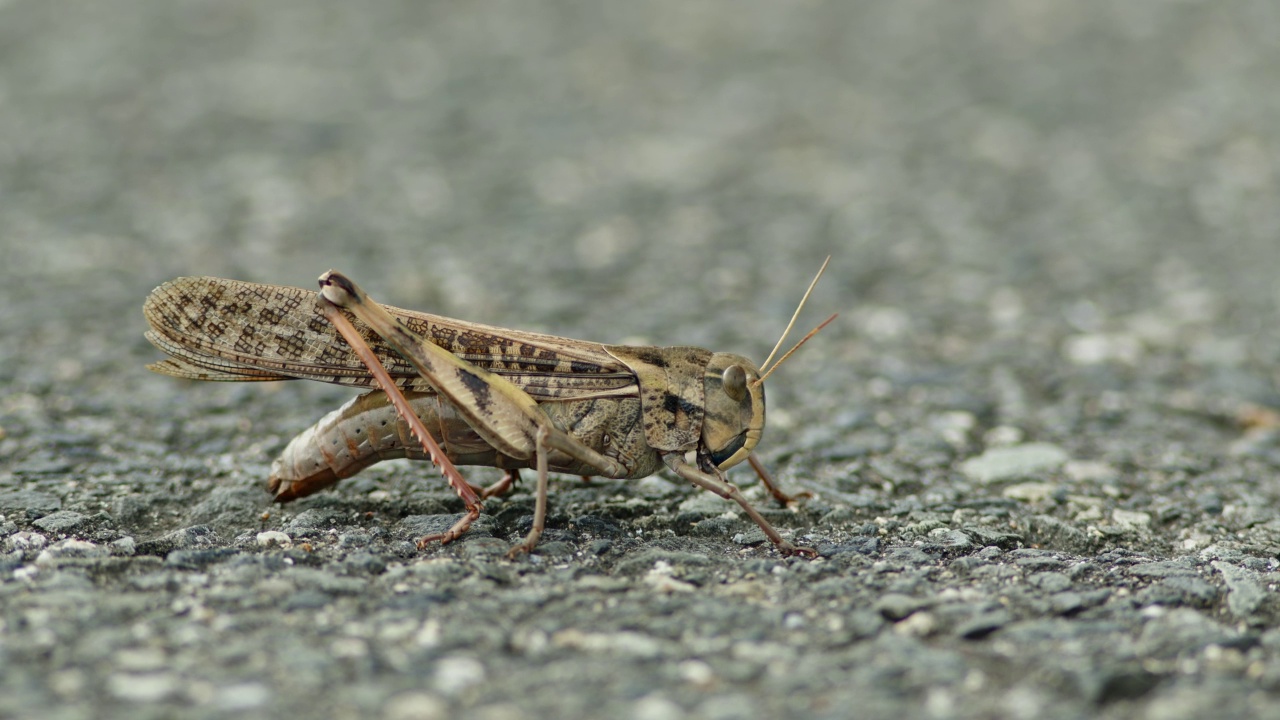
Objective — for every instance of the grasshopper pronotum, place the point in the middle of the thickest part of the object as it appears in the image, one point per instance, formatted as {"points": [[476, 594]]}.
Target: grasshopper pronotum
{"points": [[461, 393]]}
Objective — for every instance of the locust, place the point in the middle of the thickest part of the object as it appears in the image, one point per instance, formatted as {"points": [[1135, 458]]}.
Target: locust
{"points": [[463, 393]]}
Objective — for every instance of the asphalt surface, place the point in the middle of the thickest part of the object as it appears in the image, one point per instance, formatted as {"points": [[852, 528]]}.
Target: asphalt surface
{"points": [[1042, 436]]}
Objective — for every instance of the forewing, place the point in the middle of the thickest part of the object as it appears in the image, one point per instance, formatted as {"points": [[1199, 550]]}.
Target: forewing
{"points": [[219, 329]]}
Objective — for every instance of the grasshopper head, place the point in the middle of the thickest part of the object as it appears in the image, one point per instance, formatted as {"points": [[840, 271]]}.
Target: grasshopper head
{"points": [[734, 419], [734, 397]]}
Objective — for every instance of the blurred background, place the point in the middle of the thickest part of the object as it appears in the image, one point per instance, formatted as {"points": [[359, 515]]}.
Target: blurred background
{"points": [[662, 170]]}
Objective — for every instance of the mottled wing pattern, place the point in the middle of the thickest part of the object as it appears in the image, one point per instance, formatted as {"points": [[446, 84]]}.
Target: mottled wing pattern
{"points": [[219, 329]]}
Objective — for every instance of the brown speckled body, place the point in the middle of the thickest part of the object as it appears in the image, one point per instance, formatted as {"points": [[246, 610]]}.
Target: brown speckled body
{"points": [[367, 430], [630, 403], [462, 393]]}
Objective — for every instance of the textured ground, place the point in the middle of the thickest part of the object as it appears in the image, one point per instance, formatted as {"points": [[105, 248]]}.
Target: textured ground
{"points": [[1042, 435]]}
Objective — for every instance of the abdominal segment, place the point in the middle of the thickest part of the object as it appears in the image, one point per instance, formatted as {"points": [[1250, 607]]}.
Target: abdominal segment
{"points": [[367, 430]]}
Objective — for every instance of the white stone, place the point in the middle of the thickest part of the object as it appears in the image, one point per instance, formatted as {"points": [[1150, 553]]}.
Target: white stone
{"points": [[274, 537]]}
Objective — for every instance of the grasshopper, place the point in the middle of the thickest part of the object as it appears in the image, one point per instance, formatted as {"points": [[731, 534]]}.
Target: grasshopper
{"points": [[491, 396]]}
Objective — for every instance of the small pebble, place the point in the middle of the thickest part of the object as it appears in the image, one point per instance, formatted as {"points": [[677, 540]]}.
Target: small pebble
{"points": [[457, 673], [415, 706], [141, 688], [1011, 463], [1131, 519], [269, 538], [245, 696]]}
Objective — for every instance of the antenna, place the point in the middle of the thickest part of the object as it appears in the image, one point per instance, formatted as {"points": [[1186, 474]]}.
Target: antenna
{"points": [[796, 347], [795, 315]]}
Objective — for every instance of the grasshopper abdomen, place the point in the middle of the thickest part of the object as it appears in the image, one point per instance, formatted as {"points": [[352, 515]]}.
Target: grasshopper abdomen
{"points": [[367, 430]]}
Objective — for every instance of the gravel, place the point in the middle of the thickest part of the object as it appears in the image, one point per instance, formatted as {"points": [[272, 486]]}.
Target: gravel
{"points": [[1043, 436]]}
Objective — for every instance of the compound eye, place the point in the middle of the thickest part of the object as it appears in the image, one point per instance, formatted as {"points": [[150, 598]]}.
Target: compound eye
{"points": [[734, 380]]}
